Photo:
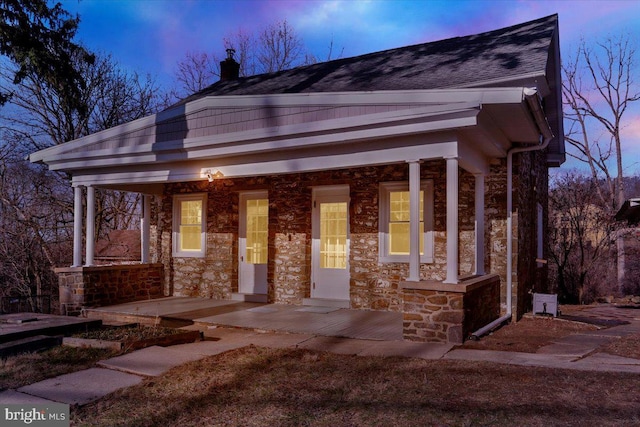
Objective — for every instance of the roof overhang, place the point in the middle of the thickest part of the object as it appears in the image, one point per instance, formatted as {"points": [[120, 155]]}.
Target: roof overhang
{"points": [[629, 211], [473, 124]]}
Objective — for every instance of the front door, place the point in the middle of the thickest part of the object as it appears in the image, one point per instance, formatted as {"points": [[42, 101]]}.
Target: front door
{"points": [[253, 243], [330, 243]]}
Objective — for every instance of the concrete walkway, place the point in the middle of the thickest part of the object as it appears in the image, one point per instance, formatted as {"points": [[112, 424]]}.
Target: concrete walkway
{"points": [[576, 352]]}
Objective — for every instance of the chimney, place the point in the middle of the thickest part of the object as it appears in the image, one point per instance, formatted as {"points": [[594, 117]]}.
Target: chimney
{"points": [[229, 68]]}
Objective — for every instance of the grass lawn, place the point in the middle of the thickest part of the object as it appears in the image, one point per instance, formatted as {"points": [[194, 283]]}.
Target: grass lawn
{"points": [[267, 387], [24, 369]]}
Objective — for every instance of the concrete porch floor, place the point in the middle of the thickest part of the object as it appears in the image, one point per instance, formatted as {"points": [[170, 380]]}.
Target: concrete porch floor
{"points": [[313, 320]]}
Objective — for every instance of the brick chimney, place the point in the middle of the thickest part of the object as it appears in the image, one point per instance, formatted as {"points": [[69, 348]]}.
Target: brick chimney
{"points": [[229, 68]]}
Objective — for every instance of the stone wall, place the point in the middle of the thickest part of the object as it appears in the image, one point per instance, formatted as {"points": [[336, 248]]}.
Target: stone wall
{"points": [[373, 285], [531, 188], [445, 313], [84, 287]]}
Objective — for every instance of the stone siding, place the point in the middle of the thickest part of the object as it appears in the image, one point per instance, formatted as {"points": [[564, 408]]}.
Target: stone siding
{"points": [[531, 181], [437, 312], [85, 287], [373, 285]]}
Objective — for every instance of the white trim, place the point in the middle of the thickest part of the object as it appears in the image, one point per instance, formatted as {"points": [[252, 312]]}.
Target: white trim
{"points": [[446, 97], [385, 188], [382, 97], [256, 142], [90, 237], [145, 229], [479, 224], [177, 199], [196, 171], [452, 221], [77, 226]]}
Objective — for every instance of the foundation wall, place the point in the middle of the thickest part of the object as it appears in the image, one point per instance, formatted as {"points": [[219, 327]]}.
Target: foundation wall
{"points": [[85, 287]]}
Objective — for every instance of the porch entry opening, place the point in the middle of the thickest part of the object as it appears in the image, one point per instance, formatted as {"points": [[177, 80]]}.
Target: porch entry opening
{"points": [[330, 243], [253, 243]]}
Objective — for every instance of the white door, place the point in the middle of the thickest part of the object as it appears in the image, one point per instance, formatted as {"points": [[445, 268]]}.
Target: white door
{"points": [[253, 243], [330, 243]]}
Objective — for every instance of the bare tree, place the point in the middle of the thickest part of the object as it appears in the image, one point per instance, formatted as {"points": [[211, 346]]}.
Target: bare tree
{"points": [[36, 205], [598, 89], [245, 46], [582, 240], [196, 71], [277, 47]]}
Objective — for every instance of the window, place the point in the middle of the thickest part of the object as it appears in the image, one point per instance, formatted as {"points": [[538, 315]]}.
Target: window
{"points": [[189, 231], [394, 222]]}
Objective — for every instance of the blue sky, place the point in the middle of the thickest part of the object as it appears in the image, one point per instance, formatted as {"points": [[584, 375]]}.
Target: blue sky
{"points": [[151, 36]]}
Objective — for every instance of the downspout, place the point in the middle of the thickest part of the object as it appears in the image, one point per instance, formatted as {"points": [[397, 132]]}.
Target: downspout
{"points": [[533, 100]]}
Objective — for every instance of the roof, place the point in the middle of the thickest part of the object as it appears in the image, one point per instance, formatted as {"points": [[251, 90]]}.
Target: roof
{"points": [[459, 62], [526, 54], [629, 211], [472, 98]]}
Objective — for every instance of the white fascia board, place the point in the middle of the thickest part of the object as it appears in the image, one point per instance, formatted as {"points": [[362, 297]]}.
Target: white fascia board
{"points": [[539, 77], [326, 126], [462, 119], [278, 166], [391, 97], [432, 96]]}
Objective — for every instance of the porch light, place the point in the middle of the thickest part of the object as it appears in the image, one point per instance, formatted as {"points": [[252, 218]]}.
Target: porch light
{"points": [[214, 175]]}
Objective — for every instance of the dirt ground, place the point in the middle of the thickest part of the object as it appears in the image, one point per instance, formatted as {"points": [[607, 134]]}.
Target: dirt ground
{"points": [[533, 332]]}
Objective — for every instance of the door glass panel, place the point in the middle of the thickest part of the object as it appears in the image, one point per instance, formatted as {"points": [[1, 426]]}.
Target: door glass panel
{"points": [[257, 231], [399, 222], [333, 235]]}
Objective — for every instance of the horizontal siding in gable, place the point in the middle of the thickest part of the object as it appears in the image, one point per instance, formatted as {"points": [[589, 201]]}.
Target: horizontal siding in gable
{"points": [[221, 121]]}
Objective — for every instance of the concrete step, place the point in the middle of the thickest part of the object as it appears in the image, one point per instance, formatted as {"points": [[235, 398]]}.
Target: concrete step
{"points": [[122, 318], [325, 302], [30, 344], [249, 297], [17, 326]]}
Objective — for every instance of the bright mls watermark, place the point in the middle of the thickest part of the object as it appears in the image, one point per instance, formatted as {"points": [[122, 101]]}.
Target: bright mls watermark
{"points": [[40, 415]]}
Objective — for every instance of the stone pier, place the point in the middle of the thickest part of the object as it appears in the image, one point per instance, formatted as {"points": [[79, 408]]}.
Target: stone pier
{"points": [[449, 313]]}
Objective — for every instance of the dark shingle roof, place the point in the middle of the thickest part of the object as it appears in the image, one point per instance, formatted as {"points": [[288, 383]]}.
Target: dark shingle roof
{"points": [[452, 63]]}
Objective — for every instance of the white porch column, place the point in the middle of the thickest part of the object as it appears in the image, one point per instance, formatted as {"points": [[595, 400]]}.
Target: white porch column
{"points": [[479, 224], [452, 220], [91, 225], [414, 221], [77, 226], [145, 228]]}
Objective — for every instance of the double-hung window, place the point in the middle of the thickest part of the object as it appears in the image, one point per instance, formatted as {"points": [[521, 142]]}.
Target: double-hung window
{"points": [[189, 225], [394, 235]]}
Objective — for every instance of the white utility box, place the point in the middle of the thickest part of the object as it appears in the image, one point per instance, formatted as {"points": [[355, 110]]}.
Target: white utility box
{"points": [[545, 304]]}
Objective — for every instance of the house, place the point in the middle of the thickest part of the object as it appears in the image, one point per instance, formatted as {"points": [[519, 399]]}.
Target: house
{"points": [[412, 180]]}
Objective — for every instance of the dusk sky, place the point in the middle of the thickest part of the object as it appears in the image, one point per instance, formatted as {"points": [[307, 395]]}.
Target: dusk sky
{"points": [[151, 36]]}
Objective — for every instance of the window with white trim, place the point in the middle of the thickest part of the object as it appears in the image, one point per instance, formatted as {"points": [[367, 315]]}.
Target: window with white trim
{"points": [[394, 222], [189, 225]]}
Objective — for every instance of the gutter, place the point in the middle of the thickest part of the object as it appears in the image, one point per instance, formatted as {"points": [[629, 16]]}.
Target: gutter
{"points": [[533, 100]]}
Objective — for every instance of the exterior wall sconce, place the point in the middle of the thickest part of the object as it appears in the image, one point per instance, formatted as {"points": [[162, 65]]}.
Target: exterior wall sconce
{"points": [[214, 175]]}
